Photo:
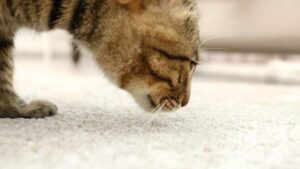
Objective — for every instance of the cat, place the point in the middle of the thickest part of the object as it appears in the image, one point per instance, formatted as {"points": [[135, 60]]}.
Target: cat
{"points": [[149, 48]]}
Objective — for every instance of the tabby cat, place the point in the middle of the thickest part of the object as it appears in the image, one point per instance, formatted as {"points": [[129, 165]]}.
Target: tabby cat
{"points": [[148, 47]]}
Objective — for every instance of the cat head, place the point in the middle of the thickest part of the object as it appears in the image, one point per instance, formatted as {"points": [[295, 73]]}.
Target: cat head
{"points": [[152, 50]]}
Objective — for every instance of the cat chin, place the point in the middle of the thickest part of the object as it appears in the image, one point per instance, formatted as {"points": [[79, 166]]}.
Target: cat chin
{"points": [[143, 101]]}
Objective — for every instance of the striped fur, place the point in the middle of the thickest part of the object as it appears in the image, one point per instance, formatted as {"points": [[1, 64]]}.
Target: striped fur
{"points": [[147, 47], [55, 14]]}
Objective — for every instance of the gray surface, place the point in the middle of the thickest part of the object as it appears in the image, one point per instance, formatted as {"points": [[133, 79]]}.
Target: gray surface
{"points": [[226, 126]]}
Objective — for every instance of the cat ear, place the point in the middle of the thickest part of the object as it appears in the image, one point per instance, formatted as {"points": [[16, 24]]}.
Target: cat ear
{"points": [[132, 5]]}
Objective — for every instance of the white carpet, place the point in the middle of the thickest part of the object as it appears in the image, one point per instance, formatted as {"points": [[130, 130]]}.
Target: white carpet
{"points": [[226, 126]]}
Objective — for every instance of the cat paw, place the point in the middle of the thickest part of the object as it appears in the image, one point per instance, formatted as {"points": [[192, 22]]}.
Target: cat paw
{"points": [[40, 109]]}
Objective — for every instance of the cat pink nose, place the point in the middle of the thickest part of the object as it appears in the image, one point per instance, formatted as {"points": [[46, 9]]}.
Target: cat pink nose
{"points": [[185, 100]]}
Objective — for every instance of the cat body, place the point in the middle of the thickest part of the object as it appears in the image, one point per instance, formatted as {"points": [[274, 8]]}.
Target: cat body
{"points": [[147, 47]]}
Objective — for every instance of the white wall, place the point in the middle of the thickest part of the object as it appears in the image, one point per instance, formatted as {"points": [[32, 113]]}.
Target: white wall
{"points": [[266, 25], [56, 43]]}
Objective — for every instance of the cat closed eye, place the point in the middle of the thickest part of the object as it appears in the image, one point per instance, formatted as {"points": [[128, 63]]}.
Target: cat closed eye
{"points": [[171, 56]]}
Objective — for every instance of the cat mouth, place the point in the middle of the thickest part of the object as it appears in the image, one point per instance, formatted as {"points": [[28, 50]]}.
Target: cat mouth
{"points": [[158, 104], [165, 104]]}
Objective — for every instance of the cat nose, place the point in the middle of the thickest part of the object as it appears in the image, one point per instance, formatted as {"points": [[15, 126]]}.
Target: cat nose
{"points": [[185, 99], [185, 95]]}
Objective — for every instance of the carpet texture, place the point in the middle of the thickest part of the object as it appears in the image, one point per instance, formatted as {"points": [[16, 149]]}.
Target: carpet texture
{"points": [[227, 125]]}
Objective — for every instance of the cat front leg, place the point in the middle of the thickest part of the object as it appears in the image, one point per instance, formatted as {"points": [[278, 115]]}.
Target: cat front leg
{"points": [[11, 105]]}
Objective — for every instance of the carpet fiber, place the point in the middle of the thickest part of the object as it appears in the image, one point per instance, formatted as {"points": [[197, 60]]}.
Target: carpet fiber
{"points": [[227, 125]]}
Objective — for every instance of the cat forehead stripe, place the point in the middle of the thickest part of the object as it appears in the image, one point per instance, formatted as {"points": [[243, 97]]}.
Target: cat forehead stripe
{"points": [[10, 7], [97, 7], [77, 19], [5, 43], [56, 13]]}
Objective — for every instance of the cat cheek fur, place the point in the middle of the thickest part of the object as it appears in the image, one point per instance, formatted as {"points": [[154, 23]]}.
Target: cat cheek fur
{"points": [[140, 95]]}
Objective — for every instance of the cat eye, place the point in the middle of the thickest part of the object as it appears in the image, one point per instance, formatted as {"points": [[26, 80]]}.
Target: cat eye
{"points": [[168, 55], [193, 63]]}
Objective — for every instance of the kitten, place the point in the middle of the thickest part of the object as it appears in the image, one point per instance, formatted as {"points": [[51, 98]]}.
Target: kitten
{"points": [[147, 47]]}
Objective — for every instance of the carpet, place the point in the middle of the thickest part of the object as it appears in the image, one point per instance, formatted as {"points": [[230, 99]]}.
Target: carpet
{"points": [[227, 125]]}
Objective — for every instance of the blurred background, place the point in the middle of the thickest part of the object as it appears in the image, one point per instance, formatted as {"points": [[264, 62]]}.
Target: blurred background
{"points": [[257, 40], [250, 41]]}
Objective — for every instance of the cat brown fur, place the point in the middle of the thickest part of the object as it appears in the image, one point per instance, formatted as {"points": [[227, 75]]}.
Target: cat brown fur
{"points": [[147, 47]]}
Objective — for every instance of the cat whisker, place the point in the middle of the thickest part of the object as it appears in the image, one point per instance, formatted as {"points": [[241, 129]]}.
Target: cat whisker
{"points": [[154, 113], [212, 38], [158, 108], [219, 27], [209, 49], [208, 40]]}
